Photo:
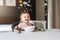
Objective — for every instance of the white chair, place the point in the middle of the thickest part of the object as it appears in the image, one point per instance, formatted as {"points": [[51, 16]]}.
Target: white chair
{"points": [[39, 24]]}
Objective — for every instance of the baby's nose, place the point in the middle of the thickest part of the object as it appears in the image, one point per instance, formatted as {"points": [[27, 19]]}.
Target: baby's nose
{"points": [[26, 17]]}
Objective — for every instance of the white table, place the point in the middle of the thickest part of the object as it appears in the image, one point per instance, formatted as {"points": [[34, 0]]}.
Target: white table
{"points": [[53, 34]]}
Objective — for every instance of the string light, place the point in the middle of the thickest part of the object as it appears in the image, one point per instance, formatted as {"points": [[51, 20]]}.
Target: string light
{"points": [[25, 6], [20, 1]]}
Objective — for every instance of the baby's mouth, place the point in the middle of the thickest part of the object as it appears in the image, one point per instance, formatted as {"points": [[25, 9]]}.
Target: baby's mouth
{"points": [[26, 21]]}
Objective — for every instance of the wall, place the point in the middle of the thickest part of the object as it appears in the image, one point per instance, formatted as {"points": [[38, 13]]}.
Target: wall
{"points": [[8, 14], [39, 9]]}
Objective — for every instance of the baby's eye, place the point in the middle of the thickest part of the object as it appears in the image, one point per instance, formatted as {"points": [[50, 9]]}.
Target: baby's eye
{"points": [[28, 17], [24, 17]]}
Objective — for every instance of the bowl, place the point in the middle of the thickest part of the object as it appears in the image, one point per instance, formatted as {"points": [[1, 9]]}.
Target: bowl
{"points": [[29, 28]]}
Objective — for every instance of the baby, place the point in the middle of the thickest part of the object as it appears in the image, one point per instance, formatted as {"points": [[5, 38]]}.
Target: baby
{"points": [[25, 21]]}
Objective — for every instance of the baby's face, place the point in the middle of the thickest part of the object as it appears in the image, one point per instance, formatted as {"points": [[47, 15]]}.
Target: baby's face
{"points": [[25, 17]]}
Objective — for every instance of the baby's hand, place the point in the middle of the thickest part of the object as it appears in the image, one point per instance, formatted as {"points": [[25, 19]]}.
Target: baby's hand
{"points": [[16, 27]]}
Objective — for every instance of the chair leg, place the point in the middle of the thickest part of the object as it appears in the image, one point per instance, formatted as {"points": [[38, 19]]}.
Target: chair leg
{"points": [[12, 28]]}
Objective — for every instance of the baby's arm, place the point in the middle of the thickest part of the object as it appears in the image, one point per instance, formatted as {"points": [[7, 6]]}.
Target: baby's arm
{"points": [[19, 28], [15, 27]]}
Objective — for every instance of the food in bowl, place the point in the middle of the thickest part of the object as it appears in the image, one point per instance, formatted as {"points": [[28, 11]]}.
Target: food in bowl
{"points": [[29, 28]]}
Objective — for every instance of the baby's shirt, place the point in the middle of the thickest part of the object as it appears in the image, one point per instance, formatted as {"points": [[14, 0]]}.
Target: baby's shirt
{"points": [[22, 25]]}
